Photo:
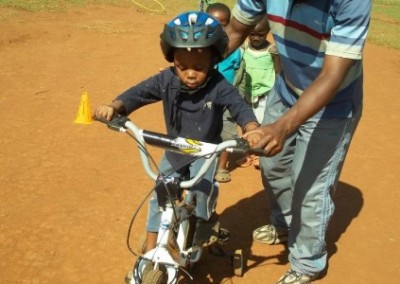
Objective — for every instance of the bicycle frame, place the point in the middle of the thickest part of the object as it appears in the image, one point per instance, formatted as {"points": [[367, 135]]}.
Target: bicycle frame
{"points": [[172, 250]]}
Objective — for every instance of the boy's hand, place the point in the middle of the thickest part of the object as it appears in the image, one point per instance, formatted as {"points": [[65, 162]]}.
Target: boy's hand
{"points": [[104, 111], [253, 137], [269, 137], [108, 111]]}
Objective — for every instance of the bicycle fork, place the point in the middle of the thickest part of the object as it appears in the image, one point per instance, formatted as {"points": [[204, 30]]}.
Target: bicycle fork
{"points": [[174, 249]]}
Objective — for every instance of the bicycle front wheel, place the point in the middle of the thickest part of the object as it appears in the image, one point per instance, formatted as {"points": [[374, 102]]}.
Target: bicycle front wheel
{"points": [[155, 277]]}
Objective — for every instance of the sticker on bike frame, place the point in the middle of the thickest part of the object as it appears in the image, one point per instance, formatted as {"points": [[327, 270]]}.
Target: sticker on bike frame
{"points": [[193, 147], [179, 144]]}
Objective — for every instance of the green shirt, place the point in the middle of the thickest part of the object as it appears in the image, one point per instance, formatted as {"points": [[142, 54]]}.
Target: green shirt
{"points": [[259, 73]]}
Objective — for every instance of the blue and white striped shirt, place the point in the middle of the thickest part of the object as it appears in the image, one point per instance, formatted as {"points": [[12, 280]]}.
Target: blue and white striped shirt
{"points": [[307, 30]]}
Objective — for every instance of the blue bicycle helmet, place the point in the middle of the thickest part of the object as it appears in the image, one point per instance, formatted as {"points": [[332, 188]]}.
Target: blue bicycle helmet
{"points": [[193, 29]]}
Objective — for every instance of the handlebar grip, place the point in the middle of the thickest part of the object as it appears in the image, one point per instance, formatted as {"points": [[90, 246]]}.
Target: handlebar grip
{"points": [[243, 147], [115, 123], [101, 119], [258, 152]]}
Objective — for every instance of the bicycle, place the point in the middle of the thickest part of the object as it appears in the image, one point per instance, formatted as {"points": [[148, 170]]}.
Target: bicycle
{"points": [[176, 251]]}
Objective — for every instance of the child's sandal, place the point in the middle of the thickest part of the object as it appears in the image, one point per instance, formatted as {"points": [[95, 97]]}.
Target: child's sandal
{"points": [[223, 176]]}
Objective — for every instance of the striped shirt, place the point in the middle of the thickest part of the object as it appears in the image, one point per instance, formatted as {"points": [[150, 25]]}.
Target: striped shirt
{"points": [[304, 32]]}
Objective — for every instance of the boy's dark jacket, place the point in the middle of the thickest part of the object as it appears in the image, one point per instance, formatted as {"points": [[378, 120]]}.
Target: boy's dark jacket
{"points": [[195, 115]]}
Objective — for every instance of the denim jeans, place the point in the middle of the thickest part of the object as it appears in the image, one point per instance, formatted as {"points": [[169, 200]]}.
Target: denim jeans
{"points": [[301, 180]]}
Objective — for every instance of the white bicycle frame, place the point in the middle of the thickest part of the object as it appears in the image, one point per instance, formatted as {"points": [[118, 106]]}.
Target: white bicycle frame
{"points": [[171, 252]]}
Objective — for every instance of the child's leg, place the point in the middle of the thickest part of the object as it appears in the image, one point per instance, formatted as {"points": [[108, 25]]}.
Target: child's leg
{"points": [[229, 131], [150, 242], [206, 193], [259, 108], [223, 161], [153, 223], [154, 213], [222, 174]]}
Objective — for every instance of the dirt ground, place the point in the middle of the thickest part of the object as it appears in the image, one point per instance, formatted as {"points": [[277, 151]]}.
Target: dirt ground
{"points": [[68, 191]]}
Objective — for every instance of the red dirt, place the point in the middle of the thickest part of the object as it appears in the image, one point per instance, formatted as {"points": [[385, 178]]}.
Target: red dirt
{"points": [[68, 191]]}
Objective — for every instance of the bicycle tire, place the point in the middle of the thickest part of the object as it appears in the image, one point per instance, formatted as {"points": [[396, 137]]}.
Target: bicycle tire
{"points": [[155, 277]]}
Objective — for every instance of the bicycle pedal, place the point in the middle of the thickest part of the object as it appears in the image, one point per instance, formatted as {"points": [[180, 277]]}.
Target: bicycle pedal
{"points": [[223, 236], [211, 241]]}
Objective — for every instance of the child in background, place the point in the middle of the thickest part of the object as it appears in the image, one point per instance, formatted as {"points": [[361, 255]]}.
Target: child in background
{"points": [[227, 68], [229, 65], [194, 97], [256, 75]]}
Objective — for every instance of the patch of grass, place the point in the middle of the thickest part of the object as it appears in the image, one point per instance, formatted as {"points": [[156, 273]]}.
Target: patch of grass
{"points": [[55, 5], [385, 33], [385, 23], [388, 11], [384, 30], [170, 6]]}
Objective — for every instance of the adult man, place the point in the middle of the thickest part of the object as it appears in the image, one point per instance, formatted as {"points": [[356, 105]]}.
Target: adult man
{"points": [[311, 116]]}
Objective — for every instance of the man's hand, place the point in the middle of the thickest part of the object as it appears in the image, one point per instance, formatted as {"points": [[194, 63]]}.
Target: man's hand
{"points": [[270, 137]]}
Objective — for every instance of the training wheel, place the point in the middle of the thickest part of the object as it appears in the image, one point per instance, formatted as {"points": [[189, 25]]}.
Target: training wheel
{"points": [[238, 263]]}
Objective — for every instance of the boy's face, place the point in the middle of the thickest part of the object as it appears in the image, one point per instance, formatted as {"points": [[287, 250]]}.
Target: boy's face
{"points": [[192, 66]]}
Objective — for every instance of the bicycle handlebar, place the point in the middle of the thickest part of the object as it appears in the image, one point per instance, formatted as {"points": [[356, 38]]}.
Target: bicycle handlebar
{"points": [[177, 144]]}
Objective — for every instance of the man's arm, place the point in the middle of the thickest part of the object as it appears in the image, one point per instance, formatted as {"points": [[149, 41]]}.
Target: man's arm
{"points": [[319, 93], [314, 98], [237, 33]]}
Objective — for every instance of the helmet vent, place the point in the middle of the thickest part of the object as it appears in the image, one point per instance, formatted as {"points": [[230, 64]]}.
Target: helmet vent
{"points": [[209, 21], [192, 19], [177, 22]]}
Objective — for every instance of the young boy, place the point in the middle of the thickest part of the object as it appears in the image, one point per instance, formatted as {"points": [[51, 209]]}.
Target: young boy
{"points": [[228, 68], [256, 75], [194, 96]]}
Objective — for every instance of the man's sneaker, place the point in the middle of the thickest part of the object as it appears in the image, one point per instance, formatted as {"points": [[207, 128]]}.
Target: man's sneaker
{"points": [[268, 234], [294, 277]]}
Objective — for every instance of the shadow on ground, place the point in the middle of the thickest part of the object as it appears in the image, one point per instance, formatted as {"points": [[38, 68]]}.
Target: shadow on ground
{"points": [[252, 212]]}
